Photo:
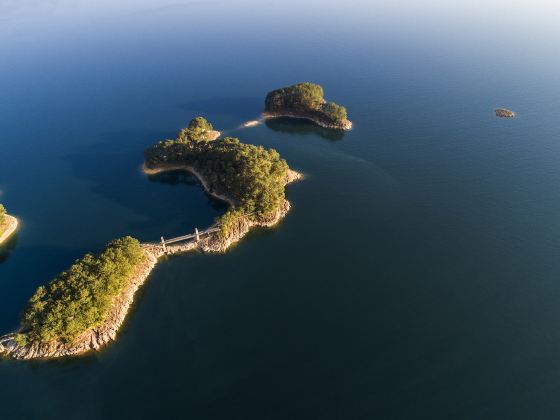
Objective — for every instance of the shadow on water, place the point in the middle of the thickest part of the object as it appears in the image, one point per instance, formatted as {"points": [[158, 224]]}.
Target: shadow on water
{"points": [[31, 266], [302, 127], [119, 179], [7, 248], [183, 177], [240, 108]]}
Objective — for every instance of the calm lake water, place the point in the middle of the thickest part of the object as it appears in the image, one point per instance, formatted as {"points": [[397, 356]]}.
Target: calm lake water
{"points": [[417, 276]]}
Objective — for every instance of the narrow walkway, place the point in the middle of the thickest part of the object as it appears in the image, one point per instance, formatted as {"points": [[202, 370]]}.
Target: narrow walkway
{"points": [[196, 236]]}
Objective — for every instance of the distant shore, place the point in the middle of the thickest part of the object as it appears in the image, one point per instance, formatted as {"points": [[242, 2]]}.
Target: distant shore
{"points": [[346, 125], [11, 224]]}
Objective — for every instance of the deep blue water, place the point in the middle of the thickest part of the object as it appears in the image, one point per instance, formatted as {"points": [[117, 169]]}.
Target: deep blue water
{"points": [[416, 276]]}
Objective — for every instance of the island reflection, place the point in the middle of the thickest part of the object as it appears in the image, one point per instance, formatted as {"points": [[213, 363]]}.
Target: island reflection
{"points": [[184, 177], [302, 127]]}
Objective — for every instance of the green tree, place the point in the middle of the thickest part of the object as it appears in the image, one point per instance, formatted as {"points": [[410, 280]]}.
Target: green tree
{"points": [[197, 130], [302, 97], [2, 214], [79, 299], [334, 111], [200, 123]]}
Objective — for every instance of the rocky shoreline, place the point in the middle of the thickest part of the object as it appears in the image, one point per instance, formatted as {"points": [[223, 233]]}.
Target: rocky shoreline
{"points": [[93, 339], [97, 338], [346, 125], [11, 226]]}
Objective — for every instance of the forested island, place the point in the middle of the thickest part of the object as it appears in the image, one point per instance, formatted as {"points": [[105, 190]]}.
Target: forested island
{"points": [[8, 225], [250, 178], [82, 308], [306, 100]]}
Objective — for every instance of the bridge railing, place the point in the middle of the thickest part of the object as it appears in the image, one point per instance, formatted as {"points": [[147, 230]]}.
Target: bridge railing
{"points": [[197, 234]]}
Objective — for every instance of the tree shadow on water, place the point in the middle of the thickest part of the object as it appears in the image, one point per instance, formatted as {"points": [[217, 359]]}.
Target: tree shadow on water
{"points": [[184, 177], [7, 247], [302, 127], [112, 169]]}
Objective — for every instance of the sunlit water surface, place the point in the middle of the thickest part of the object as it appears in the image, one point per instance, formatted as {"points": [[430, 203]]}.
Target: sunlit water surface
{"points": [[416, 276]]}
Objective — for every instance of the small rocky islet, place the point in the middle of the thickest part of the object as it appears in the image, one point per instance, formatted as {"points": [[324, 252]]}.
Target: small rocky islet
{"points": [[504, 113]]}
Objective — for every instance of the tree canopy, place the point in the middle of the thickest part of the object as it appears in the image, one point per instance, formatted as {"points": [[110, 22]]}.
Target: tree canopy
{"points": [[302, 96], [79, 298], [306, 98], [334, 111], [197, 130]]}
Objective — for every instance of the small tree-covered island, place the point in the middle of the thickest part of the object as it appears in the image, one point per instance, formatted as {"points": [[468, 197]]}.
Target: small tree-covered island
{"points": [[82, 309], [8, 225], [305, 100]]}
